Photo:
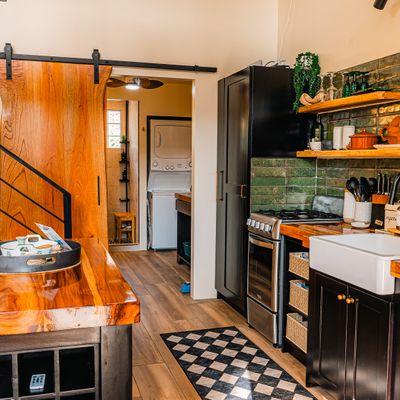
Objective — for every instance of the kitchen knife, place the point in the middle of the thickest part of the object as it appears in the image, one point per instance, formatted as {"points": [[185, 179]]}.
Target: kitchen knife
{"points": [[384, 183], [379, 191]]}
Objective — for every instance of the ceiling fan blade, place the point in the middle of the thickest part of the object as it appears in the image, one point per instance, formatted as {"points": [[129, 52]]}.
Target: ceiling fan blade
{"points": [[114, 82], [154, 84]]}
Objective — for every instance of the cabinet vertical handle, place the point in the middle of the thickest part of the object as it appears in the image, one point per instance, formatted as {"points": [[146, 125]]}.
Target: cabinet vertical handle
{"points": [[98, 190], [220, 185], [355, 346], [243, 191]]}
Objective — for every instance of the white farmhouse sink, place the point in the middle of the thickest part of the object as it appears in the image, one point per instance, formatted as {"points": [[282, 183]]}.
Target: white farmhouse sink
{"points": [[360, 259]]}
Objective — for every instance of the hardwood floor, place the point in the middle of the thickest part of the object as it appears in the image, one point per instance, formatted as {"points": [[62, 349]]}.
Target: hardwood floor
{"points": [[156, 278]]}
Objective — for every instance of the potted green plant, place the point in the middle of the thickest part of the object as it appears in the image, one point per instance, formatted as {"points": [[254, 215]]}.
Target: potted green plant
{"points": [[306, 76]]}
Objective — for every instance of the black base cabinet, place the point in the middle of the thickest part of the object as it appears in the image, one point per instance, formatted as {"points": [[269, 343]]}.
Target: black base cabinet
{"points": [[350, 341]]}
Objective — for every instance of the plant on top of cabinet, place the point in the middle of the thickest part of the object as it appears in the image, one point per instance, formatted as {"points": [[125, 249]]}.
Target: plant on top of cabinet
{"points": [[306, 76]]}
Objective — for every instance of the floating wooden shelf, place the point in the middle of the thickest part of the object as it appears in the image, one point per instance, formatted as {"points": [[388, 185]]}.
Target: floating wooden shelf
{"points": [[346, 103], [373, 153]]}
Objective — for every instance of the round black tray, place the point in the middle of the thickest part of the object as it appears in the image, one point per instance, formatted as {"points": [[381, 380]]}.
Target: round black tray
{"points": [[41, 263]]}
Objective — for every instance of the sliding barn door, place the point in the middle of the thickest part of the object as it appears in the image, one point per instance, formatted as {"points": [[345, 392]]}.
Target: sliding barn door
{"points": [[52, 117]]}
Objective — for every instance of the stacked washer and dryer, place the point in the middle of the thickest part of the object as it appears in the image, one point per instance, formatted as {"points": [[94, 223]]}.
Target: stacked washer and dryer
{"points": [[170, 172]]}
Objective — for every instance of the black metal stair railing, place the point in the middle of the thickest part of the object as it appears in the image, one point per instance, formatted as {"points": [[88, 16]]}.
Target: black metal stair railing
{"points": [[67, 216]]}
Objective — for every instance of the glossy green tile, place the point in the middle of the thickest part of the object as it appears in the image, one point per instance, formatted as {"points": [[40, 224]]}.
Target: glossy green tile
{"points": [[388, 163], [336, 172], [300, 189], [268, 162], [268, 190], [300, 163], [268, 171], [300, 181], [265, 199], [363, 112], [335, 192], [336, 182], [268, 181], [306, 172]]}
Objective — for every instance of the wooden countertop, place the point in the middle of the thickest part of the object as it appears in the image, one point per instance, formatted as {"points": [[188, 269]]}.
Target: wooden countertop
{"points": [[90, 295], [184, 197], [304, 231]]}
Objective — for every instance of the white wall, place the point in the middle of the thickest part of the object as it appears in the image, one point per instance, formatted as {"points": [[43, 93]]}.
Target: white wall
{"points": [[228, 34], [343, 32]]}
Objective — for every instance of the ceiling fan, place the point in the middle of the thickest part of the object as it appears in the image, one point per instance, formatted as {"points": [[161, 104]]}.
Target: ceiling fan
{"points": [[132, 83]]}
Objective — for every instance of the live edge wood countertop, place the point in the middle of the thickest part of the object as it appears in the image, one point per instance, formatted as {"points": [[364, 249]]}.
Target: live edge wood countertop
{"points": [[92, 294]]}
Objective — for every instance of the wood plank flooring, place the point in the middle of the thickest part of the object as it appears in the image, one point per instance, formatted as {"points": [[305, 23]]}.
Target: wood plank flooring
{"points": [[156, 278]]}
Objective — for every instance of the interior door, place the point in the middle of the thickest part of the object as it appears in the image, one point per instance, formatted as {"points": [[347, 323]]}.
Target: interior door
{"points": [[52, 116], [233, 176]]}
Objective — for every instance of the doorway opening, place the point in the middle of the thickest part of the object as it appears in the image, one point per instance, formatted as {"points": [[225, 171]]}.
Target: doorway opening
{"points": [[155, 151]]}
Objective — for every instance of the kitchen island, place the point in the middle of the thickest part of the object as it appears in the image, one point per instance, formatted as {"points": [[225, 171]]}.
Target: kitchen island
{"points": [[74, 325]]}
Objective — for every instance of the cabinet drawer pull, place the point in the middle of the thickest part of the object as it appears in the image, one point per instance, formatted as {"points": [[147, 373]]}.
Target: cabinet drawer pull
{"points": [[341, 297], [350, 300]]}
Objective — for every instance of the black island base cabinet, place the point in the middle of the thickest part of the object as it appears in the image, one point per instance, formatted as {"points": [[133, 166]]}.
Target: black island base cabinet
{"points": [[352, 349]]}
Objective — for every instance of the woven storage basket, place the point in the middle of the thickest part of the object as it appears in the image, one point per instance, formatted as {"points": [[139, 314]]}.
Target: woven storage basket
{"points": [[298, 296], [299, 265], [296, 332]]}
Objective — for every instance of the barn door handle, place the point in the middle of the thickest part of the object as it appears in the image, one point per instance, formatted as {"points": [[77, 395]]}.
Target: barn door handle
{"points": [[220, 187], [98, 190], [243, 191]]}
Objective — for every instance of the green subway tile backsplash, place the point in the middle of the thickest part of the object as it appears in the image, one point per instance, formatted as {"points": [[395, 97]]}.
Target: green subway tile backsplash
{"points": [[299, 179]]}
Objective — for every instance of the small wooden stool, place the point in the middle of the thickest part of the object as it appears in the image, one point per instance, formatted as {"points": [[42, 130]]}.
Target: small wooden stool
{"points": [[125, 223]]}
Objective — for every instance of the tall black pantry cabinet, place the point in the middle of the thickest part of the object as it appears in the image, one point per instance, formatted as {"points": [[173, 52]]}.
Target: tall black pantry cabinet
{"points": [[255, 119]]}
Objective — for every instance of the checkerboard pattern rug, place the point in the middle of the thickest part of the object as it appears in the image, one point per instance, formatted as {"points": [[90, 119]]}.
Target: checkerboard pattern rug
{"points": [[222, 364]]}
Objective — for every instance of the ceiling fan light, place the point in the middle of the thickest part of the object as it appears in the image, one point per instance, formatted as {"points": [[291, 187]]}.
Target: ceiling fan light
{"points": [[132, 86]]}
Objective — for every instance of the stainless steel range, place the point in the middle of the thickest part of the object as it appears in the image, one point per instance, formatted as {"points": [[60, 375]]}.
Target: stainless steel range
{"points": [[265, 266]]}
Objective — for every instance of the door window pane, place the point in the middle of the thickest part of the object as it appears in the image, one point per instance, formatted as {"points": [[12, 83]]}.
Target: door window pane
{"points": [[113, 129]]}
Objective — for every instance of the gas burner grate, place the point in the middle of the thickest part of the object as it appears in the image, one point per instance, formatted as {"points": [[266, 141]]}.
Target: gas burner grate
{"points": [[299, 214]]}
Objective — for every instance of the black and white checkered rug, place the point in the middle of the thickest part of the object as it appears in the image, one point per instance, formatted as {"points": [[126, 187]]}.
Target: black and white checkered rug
{"points": [[222, 364]]}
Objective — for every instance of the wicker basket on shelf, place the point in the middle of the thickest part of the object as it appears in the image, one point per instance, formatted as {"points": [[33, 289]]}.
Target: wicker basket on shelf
{"points": [[299, 264], [298, 296], [296, 330]]}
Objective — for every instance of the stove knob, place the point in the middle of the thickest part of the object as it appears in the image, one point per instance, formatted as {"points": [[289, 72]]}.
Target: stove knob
{"points": [[257, 225], [262, 226], [253, 223], [248, 221], [268, 228]]}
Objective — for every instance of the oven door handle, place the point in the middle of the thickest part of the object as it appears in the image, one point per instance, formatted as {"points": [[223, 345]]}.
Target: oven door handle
{"points": [[260, 243]]}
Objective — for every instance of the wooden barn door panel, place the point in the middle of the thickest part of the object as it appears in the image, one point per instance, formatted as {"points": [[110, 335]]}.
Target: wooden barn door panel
{"points": [[52, 116]]}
